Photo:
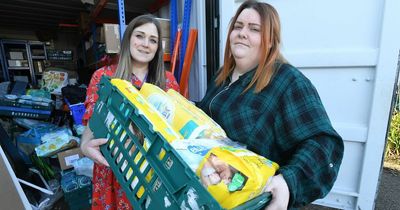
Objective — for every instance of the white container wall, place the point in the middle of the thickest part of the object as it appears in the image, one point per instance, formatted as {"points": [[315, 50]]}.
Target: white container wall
{"points": [[349, 50]]}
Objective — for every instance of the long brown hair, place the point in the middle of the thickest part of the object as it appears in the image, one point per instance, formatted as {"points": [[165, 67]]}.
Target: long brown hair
{"points": [[156, 74], [270, 43]]}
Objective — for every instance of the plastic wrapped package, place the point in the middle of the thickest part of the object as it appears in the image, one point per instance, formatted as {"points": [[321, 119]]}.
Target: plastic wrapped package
{"points": [[214, 130], [83, 166], [193, 151], [145, 109], [154, 173], [187, 119], [53, 81], [230, 172], [56, 141], [233, 175]]}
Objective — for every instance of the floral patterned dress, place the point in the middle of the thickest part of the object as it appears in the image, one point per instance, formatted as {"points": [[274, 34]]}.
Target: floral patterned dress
{"points": [[107, 193]]}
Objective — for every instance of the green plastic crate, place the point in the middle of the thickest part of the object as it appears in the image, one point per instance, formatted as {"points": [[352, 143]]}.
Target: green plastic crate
{"points": [[173, 185], [81, 194], [84, 205], [77, 190]]}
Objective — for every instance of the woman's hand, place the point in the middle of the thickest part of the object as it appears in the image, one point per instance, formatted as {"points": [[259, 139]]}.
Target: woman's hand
{"points": [[91, 149], [280, 193]]}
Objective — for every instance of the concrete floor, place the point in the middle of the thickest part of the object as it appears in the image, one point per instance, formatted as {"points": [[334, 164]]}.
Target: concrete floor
{"points": [[388, 194]]}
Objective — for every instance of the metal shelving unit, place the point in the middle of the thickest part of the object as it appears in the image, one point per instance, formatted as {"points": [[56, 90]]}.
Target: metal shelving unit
{"points": [[91, 25], [22, 58], [38, 53]]}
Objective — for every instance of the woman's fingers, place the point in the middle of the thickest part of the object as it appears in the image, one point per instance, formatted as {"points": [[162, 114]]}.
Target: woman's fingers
{"points": [[92, 150], [280, 193], [98, 142], [102, 160]]}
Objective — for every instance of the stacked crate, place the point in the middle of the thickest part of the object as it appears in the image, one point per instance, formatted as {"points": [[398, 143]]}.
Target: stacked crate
{"points": [[77, 190]]}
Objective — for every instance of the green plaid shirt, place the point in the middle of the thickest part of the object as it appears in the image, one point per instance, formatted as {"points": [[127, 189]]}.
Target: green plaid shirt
{"points": [[286, 123]]}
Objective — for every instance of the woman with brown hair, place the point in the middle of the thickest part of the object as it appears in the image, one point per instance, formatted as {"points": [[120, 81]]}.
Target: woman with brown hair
{"points": [[259, 99], [141, 60]]}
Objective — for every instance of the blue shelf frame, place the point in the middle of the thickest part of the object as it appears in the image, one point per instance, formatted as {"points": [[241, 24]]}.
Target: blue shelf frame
{"points": [[121, 17]]}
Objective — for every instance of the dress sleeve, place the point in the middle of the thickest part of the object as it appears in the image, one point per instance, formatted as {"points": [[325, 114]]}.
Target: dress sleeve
{"points": [[91, 95], [316, 148], [91, 92], [170, 81]]}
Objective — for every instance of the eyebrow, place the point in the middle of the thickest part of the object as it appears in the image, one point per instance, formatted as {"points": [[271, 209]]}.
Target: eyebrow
{"points": [[142, 32], [251, 24]]}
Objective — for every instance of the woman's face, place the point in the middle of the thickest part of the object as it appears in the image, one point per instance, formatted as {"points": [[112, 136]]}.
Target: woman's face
{"points": [[144, 43], [245, 38]]}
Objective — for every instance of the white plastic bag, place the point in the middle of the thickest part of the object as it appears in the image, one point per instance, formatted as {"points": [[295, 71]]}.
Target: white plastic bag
{"points": [[83, 166]]}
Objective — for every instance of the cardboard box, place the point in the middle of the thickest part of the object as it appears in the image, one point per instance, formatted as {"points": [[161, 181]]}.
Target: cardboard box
{"points": [[18, 63], [38, 66], [11, 194], [165, 27], [111, 36], [16, 55], [66, 157]]}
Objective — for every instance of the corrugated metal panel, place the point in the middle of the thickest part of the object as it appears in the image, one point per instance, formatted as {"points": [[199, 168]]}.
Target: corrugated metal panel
{"points": [[43, 14], [48, 14]]}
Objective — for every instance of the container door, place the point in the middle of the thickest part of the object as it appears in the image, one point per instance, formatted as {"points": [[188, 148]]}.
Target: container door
{"points": [[349, 50]]}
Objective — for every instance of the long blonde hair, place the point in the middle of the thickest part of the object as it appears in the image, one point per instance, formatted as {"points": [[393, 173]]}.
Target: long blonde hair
{"points": [[270, 43], [156, 74]]}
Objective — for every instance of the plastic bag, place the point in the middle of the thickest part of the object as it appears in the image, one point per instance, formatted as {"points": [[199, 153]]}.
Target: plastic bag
{"points": [[193, 151], [56, 141], [213, 131], [234, 175], [184, 117], [83, 166], [53, 81], [145, 109]]}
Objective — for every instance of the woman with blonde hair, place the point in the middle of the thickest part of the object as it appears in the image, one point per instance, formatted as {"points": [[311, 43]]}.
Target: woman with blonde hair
{"points": [[140, 60]]}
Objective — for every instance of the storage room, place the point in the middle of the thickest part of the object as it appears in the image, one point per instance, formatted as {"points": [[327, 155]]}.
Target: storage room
{"points": [[93, 119], [182, 104]]}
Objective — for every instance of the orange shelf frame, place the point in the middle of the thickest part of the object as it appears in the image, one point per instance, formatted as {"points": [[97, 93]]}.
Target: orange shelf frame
{"points": [[184, 82], [176, 51]]}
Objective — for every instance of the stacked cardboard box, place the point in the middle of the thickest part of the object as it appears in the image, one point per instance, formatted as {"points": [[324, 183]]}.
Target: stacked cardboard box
{"points": [[66, 157], [110, 37], [18, 63], [165, 34], [14, 55]]}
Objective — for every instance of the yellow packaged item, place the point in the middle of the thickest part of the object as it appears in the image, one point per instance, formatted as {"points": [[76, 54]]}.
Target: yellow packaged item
{"points": [[135, 97], [235, 175], [183, 119], [154, 117], [215, 131]]}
